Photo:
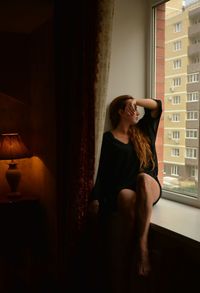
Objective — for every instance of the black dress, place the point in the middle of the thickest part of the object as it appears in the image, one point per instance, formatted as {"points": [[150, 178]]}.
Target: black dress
{"points": [[119, 164]]}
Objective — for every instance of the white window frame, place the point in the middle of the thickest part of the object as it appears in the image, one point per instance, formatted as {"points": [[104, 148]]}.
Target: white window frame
{"points": [[177, 64], [176, 100], [175, 152], [191, 153], [176, 82], [191, 134], [192, 115], [176, 117], [175, 135], [178, 27], [194, 172], [177, 45], [193, 77], [170, 195], [192, 97], [175, 170]]}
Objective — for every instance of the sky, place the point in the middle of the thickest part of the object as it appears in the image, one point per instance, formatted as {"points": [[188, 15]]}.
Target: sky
{"points": [[190, 1]]}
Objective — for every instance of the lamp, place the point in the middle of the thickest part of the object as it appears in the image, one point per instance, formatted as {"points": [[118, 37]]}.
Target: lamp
{"points": [[11, 148]]}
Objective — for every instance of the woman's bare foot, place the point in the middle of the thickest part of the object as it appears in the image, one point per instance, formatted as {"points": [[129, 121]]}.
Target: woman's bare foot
{"points": [[144, 267]]}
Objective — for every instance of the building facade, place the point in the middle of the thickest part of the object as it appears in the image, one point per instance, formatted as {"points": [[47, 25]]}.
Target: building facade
{"points": [[182, 87]]}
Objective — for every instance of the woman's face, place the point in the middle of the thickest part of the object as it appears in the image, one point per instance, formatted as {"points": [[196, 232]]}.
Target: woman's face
{"points": [[130, 112]]}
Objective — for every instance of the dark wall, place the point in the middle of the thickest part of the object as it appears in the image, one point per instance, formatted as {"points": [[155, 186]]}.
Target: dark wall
{"points": [[15, 69], [27, 105]]}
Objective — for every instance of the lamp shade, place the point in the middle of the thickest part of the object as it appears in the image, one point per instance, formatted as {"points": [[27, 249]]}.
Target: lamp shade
{"points": [[12, 147]]}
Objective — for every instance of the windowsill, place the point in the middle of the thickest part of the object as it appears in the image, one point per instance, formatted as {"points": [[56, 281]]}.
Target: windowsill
{"points": [[176, 218]]}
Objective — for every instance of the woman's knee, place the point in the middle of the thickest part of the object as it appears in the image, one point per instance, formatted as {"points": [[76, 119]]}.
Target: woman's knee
{"points": [[147, 188], [127, 200], [143, 181]]}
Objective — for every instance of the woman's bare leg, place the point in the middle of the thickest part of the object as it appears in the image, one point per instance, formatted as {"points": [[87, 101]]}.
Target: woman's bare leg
{"points": [[121, 241], [148, 191]]}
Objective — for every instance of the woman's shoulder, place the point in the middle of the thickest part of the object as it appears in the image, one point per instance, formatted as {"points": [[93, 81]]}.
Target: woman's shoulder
{"points": [[107, 135]]}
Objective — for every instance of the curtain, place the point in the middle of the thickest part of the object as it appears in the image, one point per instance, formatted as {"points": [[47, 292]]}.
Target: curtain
{"points": [[106, 11], [82, 52]]}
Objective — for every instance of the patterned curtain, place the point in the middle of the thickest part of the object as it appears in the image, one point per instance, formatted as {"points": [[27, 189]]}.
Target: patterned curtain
{"points": [[106, 11], [95, 57], [83, 39]]}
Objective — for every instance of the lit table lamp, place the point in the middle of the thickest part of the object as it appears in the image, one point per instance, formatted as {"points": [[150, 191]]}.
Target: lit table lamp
{"points": [[11, 148]]}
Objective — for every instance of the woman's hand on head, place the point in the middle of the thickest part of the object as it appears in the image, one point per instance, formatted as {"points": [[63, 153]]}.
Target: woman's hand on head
{"points": [[93, 208], [131, 107]]}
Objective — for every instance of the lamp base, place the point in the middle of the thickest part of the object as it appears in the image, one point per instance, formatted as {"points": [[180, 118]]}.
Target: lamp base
{"points": [[13, 176], [14, 195]]}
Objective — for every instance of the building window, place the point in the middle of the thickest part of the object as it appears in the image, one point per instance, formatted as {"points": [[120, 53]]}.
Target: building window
{"points": [[191, 153], [175, 152], [177, 64], [175, 134], [195, 40], [176, 117], [191, 133], [195, 59], [175, 170], [193, 172], [177, 27], [177, 46], [193, 77], [192, 115], [176, 81], [192, 96], [176, 100]]}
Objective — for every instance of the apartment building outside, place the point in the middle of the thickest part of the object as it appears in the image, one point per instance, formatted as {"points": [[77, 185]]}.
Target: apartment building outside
{"points": [[182, 88]]}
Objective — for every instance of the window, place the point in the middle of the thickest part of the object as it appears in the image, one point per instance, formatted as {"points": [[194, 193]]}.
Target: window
{"points": [[193, 77], [193, 171], [177, 64], [175, 117], [176, 81], [175, 152], [177, 47], [191, 153], [176, 100], [175, 134], [175, 170], [195, 40], [191, 133], [192, 115], [192, 96], [195, 60], [177, 27]]}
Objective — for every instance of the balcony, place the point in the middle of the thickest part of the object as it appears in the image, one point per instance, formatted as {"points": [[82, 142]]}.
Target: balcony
{"points": [[193, 49], [194, 30], [191, 162], [194, 12], [193, 87], [194, 67], [191, 142]]}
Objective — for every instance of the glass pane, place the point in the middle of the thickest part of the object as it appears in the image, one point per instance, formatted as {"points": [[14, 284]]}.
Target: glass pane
{"points": [[178, 85]]}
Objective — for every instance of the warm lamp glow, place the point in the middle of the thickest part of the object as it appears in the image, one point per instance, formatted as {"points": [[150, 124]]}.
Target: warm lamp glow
{"points": [[12, 147]]}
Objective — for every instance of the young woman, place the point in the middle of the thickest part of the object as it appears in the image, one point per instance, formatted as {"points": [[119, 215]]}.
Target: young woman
{"points": [[128, 168]]}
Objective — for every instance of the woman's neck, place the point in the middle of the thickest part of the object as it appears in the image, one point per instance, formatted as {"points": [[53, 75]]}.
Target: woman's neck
{"points": [[122, 128]]}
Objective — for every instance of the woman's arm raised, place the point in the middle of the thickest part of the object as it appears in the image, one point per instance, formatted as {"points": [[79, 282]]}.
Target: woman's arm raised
{"points": [[149, 104]]}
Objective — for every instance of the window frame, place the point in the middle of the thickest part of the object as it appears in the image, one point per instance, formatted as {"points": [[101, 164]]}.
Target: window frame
{"points": [[170, 195]]}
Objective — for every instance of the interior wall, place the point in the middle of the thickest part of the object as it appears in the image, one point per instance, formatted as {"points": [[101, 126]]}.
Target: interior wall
{"points": [[30, 110], [128, 50]]}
